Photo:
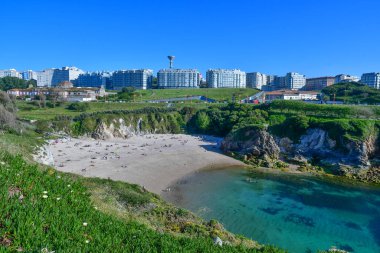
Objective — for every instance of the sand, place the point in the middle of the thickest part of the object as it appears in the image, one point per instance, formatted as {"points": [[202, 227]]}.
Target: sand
{"points": [[152, 161]]}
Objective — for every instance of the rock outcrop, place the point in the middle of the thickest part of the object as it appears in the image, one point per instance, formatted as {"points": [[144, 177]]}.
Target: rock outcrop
{"points": [[314, 145], [118, 129], [252, 141]]}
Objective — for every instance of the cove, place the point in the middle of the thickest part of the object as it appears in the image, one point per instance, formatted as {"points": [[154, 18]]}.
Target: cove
{"points": [[297, 213]]}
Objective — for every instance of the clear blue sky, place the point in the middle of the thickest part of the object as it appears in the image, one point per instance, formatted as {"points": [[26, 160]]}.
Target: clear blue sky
{"points": [[313, 37]]}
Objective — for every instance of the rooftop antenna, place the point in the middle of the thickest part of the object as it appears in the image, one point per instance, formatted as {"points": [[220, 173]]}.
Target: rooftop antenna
{"points": [[171, 59]]}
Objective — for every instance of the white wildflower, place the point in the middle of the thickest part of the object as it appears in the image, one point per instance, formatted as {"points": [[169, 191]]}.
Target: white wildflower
{"points": [[69, 185], [87, 241], [85, 224], [45, 192], [45, 196], [58, 198]]}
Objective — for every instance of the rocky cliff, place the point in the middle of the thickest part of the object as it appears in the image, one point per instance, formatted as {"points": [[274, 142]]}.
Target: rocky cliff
{"points": [[315, 145]]}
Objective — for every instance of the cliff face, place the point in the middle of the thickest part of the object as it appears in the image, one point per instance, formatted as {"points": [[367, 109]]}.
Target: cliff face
{"points": [[118, 128], [315, 144], [252, 142]]}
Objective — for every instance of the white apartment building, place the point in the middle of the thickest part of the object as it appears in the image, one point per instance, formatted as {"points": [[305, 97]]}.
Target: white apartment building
{"points": [[178, 78], [226, 78], [29, 75], [256, 80], [371, 79], [74, 72], [137, 78], [295, 81], [10, 72], [45, 77], [343, 78]]}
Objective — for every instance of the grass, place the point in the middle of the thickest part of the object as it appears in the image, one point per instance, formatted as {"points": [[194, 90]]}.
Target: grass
{"points": [[42, 210], [221, 95], [28, 111]]}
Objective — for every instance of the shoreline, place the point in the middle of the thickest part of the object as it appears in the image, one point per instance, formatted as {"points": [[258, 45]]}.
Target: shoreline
{"points": [[154, 161]]}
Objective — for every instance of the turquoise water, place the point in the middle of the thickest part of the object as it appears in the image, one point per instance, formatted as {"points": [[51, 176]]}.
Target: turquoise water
{"points": [[297, 213]]}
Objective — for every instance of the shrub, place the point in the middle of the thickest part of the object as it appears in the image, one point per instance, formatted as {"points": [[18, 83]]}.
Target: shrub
{"points": [[79, 107]]}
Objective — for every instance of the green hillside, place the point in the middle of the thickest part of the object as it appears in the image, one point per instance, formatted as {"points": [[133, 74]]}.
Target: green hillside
{"points": [[221, 95], [353, 93]]}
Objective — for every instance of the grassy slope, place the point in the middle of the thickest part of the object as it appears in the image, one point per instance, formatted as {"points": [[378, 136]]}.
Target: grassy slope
{"points": [[119, 217], [353, 93], [224, 94], [31, 112]]}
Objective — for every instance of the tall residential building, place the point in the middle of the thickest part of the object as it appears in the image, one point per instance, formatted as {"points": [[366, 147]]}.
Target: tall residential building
{"points": [[178, 78], [138, 78], [295, 81], [94, 79], [29, 75], [318, 83], [45, 77], [226, 78], [256, 80], [343, 78], [371, 79], [10, 73], [74, 72]]}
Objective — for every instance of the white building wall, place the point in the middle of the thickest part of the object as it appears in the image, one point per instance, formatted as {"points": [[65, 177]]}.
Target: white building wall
{"points": [[226, 78]]}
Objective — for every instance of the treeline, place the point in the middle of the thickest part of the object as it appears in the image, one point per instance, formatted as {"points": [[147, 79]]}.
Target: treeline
{"points": [[284, 119], [323, 110], [7, 83], [353, 93]]}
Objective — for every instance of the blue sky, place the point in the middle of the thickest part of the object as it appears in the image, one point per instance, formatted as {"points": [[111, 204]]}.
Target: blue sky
{"points": [[313, 37]]}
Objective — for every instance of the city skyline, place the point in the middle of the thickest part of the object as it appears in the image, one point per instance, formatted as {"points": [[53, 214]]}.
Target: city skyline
{"points": [[266, 36]]}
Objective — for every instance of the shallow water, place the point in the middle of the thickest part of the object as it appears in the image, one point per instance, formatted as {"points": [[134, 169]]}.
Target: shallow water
{"points": [[297, 213]]}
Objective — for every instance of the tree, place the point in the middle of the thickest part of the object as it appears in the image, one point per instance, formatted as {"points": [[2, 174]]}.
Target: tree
{"points": [[202, 121], [7, 111], [9, 82]]}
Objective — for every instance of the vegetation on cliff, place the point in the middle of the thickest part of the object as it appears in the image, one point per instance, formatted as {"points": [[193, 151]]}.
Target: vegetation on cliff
{"points": [[353, 93]]}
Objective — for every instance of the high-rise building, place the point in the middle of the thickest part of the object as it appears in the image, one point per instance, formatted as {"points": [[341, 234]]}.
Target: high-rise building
{"points": [[10, 73], [178, 78], [74, 72], [318, 83], [138, 78], [256, 80], [371, 79], [295, 81], [226, 78], [343, 78], [94, 79], [45, 77], [29, 75], [52, 77]]}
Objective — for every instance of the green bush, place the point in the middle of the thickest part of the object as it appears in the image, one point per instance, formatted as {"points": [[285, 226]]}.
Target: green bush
{"points": [[79, 107]]}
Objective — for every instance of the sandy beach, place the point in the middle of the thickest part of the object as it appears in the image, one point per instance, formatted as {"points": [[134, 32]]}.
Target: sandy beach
{"points": [[153, 161]]}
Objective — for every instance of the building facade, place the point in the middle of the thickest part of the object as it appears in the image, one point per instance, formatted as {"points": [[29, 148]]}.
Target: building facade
{"points": [[94, 79], [178, 78], [343, 78], [318, 83], [371, 80], [226, 78], [10, 73], [291, 95], [256, 80], [29, 75], [45, 77], [295, 81], [137, 78]]}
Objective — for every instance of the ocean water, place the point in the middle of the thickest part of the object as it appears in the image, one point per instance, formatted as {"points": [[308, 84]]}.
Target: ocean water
{"points": [[298, 213]]}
